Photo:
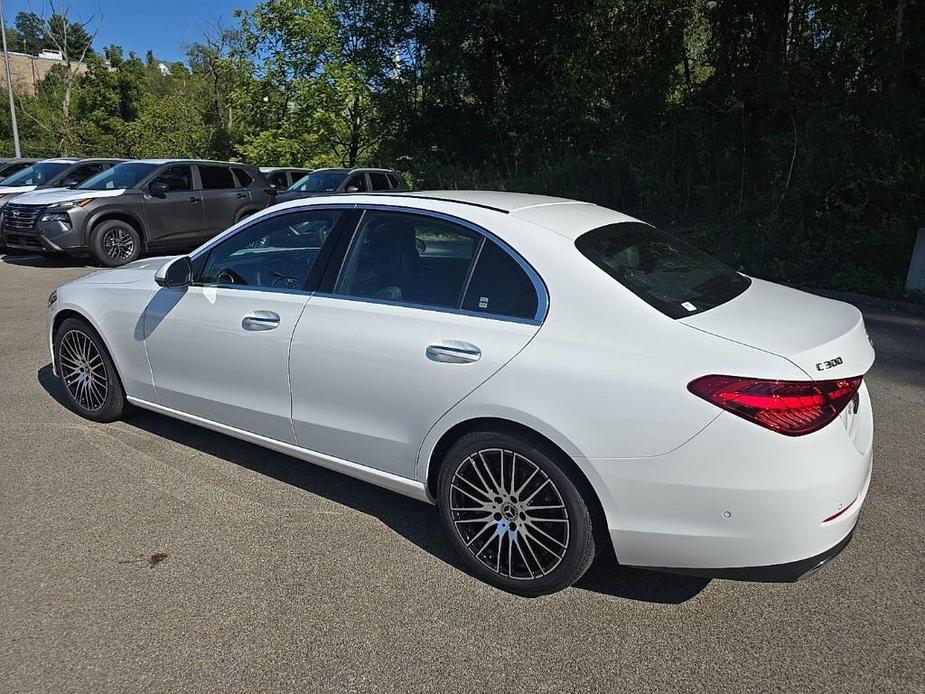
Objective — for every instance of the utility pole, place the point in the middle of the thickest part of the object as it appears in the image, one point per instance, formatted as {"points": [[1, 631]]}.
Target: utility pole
{"points": [[9, 85]]}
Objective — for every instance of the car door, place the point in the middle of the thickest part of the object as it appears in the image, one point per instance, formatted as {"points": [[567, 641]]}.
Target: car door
{"points": [[173, 220], [222, 199], [385, 349], [220, 349]]}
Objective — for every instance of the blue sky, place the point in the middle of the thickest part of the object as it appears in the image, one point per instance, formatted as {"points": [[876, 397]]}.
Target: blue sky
{"points": [[164, 26]]}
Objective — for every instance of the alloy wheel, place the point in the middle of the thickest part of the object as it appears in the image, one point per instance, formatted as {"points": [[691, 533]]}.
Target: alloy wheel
{"points": [[118, 243], [509, 514], [83, 370]]}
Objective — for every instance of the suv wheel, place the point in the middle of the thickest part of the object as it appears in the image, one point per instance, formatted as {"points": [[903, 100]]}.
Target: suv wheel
{"points": [[91, 384], [115, 243], [514, 514]]}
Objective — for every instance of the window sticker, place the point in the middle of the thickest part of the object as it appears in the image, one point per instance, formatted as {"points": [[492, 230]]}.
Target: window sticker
{"points": [[483, 302]]}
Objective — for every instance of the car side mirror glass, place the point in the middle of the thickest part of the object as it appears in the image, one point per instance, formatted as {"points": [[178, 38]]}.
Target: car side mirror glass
{"points": [[159, 189], [353, 189], [176, 273]]}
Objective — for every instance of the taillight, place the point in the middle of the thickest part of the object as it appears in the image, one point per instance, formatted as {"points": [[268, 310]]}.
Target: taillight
{"points": [[793, 408]]}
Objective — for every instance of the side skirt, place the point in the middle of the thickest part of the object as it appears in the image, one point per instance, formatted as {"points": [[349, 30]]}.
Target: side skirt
{"points": [[402, 485]]}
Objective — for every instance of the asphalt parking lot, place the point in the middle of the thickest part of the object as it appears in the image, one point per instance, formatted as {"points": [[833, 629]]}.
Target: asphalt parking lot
{"points": [[155, 555]]}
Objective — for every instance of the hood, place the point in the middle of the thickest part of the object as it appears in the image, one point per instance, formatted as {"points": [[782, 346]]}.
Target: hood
{"points": [[825, 338], [139, 270], [6, 190], [52, 196]]}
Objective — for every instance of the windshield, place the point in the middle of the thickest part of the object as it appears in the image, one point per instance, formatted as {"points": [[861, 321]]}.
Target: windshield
{"points": [[119, 176], [665, 272], [319, 182], [37, 174]]}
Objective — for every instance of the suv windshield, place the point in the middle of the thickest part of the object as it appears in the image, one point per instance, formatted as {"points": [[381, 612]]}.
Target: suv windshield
{"points": [[37, 174], [119, 176], [665, 272], [320, 182]]}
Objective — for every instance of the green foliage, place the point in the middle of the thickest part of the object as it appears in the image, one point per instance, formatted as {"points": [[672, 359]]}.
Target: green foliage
{"points": [[785, 136]]}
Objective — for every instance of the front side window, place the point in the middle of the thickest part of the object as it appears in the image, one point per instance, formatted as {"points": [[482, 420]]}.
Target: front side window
{"points": [[277, 179], [357, 184], [276, 252], [667, 273], [37, 174], [177, 178], [500, 285], [408, 258], [216, 177], [127, 175]]}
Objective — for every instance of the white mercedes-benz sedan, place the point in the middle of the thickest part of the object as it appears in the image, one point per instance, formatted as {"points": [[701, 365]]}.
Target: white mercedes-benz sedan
{"points": [[554, 375]]}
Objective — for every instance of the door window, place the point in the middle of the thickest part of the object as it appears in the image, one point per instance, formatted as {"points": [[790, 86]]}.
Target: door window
{"points": [[276, 252], [408, 258], [499, 285], [176, 178], [216, 177], [379, 181], [358, 182]]}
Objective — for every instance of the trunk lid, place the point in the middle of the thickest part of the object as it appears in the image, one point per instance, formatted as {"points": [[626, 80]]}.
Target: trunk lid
{"points": [[824, 338]]}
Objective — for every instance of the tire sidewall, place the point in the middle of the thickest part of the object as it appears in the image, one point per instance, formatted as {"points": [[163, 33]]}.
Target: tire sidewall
{"points": [[580, 552], [96, 243], [114, 404]]}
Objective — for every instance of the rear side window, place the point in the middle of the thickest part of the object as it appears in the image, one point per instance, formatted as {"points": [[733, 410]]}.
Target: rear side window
{"points": [[216, 177], [500, 285], [394, 180], [667, 273], [244, 178], [379, 181]]}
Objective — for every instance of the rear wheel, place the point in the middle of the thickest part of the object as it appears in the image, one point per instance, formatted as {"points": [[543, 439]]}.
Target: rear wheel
{"points": [[91, 385], [115, 242], [514, 514]]}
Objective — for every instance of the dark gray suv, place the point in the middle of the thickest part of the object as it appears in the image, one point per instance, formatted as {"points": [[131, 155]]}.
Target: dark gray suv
{"points": [[137, 206]]}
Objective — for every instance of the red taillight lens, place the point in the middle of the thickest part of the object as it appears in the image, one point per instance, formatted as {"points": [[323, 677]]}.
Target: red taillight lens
{"points": [[793, 408]]}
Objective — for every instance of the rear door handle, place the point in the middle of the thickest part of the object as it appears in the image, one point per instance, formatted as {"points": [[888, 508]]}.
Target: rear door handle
{"points": [[454, 352], [260, 320]]}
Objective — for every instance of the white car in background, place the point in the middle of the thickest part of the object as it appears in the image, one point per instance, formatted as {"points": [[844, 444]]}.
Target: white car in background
{"points": [[552, 374]]}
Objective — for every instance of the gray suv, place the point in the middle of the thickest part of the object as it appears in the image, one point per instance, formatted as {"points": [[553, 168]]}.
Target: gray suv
{"points": [[327, 181], [137, 206]]}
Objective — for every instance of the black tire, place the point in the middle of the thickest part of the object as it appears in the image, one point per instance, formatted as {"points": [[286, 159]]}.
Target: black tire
{"points": [[521, 560], [115, 242], [98, 403]]}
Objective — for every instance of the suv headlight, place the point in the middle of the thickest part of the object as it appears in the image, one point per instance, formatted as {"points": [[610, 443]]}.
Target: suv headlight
{"points": [[69, 204]]}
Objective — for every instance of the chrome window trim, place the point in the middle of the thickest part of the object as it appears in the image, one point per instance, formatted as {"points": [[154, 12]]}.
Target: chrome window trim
{"points": [[539, 286]]}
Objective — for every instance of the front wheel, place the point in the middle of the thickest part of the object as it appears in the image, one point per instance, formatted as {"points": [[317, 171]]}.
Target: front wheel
{"points": [[514, 515], [115, 243], [91, 384]]}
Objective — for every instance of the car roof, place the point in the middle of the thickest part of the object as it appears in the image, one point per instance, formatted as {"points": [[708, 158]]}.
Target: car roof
{"points": [[59, 160], [160, 162], [271, 169], [562, 216], [101, 159]]}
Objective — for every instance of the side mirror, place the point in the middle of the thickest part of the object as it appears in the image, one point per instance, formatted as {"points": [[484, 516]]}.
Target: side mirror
{"points": [[352, 189], [175, 273], [159, 189]]}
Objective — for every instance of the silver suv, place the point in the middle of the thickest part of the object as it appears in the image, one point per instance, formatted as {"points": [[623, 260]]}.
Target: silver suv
{"points": [[135, 207]]}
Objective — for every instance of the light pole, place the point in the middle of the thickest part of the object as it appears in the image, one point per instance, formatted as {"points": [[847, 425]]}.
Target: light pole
{"points": [[9, 85]]}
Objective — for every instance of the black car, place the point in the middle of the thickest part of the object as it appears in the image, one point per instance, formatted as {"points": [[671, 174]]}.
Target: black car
{"points": [[281, 177], [327, 181], [150, 204]]}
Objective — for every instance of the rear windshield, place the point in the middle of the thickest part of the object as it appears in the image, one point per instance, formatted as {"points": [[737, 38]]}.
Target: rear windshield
{"points": [[663, 271]]}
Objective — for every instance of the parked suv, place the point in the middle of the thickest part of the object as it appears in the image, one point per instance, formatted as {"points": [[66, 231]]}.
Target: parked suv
{"points": [[149, 204], [52, 173], [327, 181], [281, 177]]}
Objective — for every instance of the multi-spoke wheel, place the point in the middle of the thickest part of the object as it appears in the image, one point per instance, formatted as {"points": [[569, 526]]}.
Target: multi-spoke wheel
{"points": [[87, 373], [115, 242], [514, 514]]}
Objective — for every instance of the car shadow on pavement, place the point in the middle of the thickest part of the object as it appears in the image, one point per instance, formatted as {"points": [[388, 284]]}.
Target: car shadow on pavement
{"points": [[58, 260], [416, 521]]}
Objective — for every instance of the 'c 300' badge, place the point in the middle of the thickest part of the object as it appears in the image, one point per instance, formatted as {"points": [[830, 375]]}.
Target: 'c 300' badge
{"points": [[831, 363]]}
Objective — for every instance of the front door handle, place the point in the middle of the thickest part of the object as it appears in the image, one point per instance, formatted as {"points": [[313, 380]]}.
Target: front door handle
{"points": [[454, 352], [260, 320], [240, 196], [193, 198]]}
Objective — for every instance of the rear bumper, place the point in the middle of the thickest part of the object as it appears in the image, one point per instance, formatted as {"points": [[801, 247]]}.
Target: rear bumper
{"points": [[773, 573]]}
